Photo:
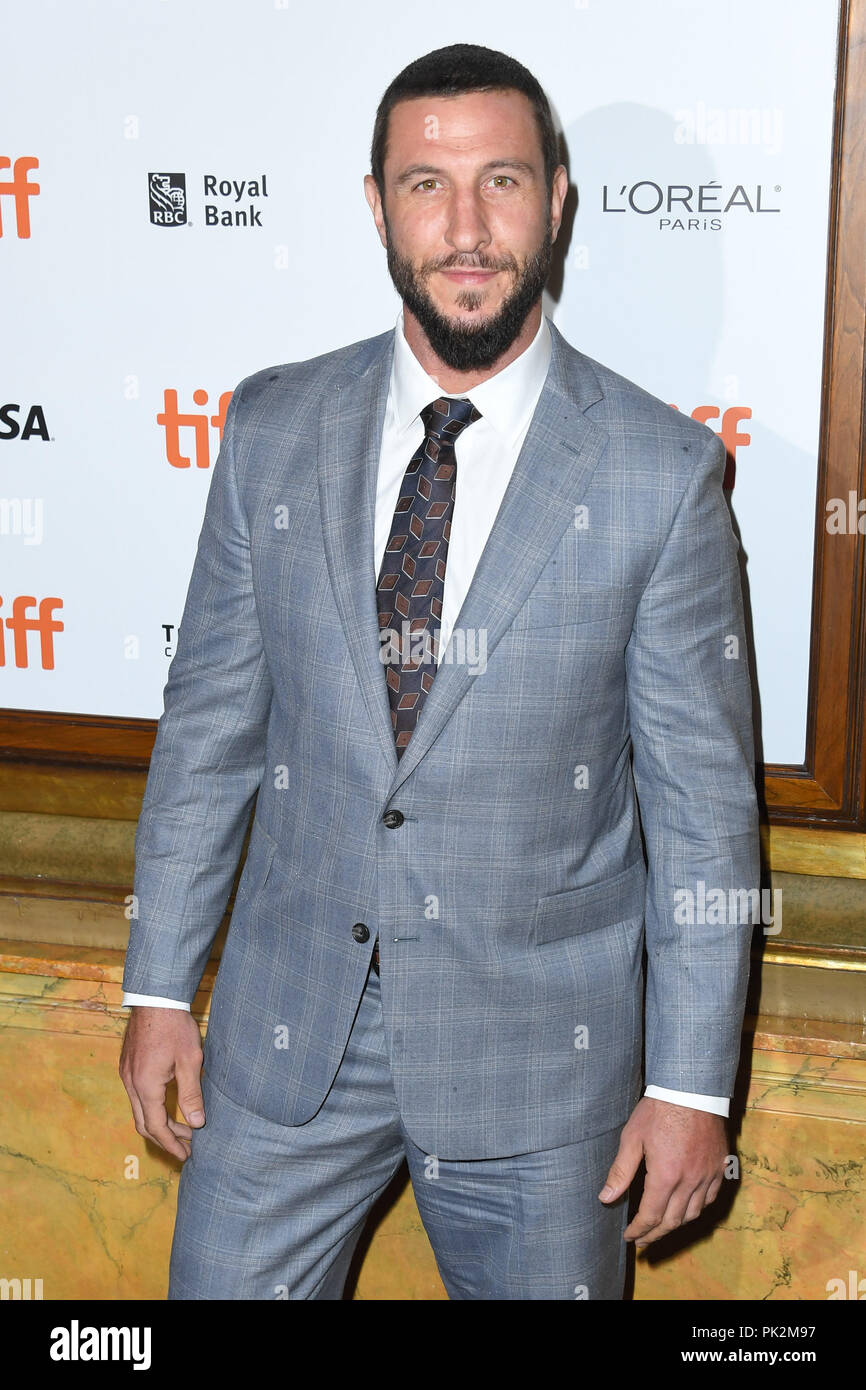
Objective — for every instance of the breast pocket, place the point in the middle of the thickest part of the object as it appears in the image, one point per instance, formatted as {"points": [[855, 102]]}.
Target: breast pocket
{"points": [[593, 906], [552, 604]]}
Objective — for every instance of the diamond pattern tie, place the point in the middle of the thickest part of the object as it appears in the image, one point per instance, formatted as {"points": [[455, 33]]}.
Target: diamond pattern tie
{"points": [[411, 581]]}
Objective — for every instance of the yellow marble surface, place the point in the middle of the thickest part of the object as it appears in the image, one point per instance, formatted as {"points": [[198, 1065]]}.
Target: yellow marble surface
{"points": [[796, 1218], [89, 1206]]}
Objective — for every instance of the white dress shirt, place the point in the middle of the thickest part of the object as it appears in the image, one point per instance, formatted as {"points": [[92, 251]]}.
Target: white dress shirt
{"points": [[486, 455]]}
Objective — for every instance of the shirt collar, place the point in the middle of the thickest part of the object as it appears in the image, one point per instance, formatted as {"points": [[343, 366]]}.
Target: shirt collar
{"points": [[506, 400]]}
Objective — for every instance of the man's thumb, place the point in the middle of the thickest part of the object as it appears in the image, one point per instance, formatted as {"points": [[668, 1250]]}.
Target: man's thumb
{"points": [[622, 1170], [193, 1108], [190, 1098]]}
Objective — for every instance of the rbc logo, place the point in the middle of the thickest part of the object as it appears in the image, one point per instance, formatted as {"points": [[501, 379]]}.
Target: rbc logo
{"points": [[167, 199], [20, 190], [173, 421]]}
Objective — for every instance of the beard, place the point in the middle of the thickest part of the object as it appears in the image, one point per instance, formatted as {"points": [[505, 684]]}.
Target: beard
{"points": [[464, 346]]}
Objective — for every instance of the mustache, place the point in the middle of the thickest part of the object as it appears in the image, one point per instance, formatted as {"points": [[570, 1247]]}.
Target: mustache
{"points": [[467, 260]]}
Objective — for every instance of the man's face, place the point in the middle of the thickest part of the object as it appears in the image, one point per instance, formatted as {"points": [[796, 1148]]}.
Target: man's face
{"points": [[466, 219]]}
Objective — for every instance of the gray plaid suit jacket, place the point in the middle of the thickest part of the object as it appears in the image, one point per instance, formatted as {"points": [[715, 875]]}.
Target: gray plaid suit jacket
{"points": [[512, 899]]}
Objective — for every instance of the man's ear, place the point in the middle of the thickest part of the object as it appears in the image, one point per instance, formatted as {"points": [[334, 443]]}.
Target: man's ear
{"points": [[374, 198], [558, 196]]}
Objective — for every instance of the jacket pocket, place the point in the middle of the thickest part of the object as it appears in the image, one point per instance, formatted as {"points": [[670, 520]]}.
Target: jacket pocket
{"points": [[591, 907], [576, 605]]}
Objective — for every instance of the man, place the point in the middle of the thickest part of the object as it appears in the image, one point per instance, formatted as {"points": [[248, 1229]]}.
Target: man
{"points": [[449, 578]]}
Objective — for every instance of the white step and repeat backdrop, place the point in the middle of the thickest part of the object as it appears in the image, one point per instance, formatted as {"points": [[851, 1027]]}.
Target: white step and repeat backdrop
{"points": [[181, 204]]}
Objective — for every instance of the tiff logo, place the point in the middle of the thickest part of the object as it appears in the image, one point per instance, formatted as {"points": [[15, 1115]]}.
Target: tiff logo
{"points": [[21, 626], [730, 433], [20, 190], [173, 421]]}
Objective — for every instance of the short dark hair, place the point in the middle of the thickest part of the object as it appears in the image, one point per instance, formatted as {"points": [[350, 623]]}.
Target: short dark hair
{"points": [[448, 72]]}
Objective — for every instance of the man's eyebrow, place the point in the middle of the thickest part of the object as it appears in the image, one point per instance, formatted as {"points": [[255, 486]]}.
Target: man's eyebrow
{"points": [[428, 170]]}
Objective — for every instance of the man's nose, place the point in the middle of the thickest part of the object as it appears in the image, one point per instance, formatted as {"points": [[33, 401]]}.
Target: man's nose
{"points": [[467, 225]]}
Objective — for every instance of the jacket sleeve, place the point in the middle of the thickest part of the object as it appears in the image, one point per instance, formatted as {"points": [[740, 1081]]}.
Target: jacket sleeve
{"points": [[690, 709], [208, 757]]}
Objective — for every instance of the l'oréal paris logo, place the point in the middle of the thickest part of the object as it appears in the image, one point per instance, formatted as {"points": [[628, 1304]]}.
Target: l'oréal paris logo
{"points": [[690, 207]]}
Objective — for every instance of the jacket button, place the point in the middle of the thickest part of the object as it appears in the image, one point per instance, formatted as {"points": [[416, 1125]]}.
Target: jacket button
{"points": [[392, 819], [361, 932]]}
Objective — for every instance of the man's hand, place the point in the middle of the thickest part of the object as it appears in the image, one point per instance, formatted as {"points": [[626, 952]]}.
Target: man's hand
{"points": [[162, 1045], [685, 1152]]}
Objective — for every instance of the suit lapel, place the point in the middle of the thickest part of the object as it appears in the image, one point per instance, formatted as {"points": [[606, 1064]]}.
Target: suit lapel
{"points": [[552, 473], [350, 437]]}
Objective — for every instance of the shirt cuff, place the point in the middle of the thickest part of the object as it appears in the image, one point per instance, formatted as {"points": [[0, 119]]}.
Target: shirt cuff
{"points": [[152, 1001], [716, 1105]]}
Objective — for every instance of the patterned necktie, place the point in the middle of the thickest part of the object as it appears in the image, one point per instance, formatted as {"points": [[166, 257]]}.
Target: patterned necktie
{"points": [[412, 577]]}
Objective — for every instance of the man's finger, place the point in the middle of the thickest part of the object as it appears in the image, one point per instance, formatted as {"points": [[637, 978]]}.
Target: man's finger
{"points": [[697, 1202], [621, 1172], [135, 1105], [683, 1206], [661, 1210], [181, 1130], [183, 1134], [156, 1123]]}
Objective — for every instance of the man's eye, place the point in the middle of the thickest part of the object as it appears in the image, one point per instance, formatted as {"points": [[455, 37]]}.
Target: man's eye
{"points": [[427, 184], [502, 180]]}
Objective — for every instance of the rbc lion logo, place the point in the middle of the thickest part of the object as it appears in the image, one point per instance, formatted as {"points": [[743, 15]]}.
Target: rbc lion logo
{"points": [[167, 199]]}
